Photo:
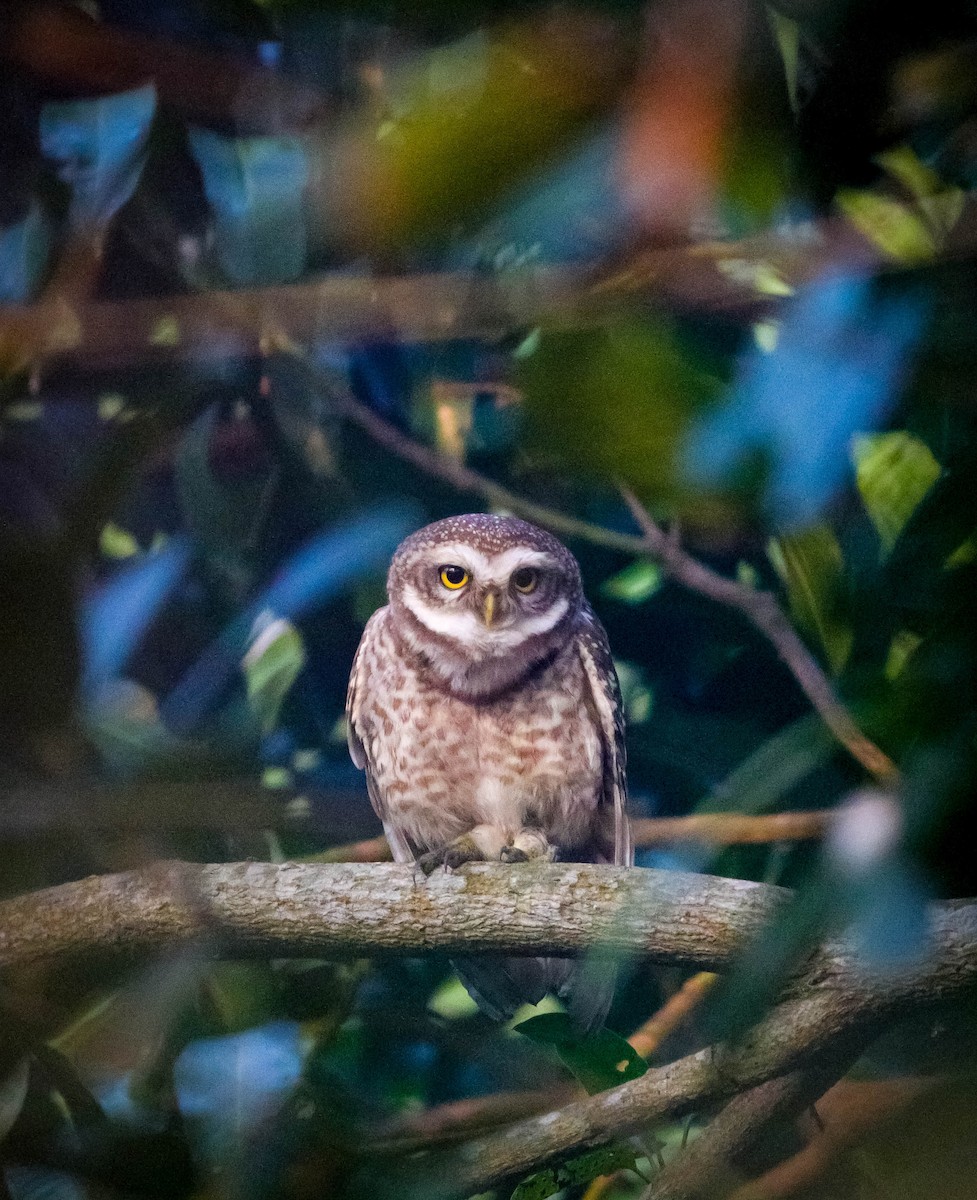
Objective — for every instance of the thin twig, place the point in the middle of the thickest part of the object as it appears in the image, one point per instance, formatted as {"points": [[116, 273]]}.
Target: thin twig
{"points": [[731, 829], [457, 1120], [852, 1108], [759, 607], [466, 480], [762, 609], [716, 829], [672, 1013]]}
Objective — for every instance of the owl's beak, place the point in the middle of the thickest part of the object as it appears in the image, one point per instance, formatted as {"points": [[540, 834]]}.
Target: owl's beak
{"points": [[489, 609]]}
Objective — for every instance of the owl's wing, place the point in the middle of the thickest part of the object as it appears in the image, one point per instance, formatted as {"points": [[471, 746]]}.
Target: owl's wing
{"points": [[605, 696], [356, 737]]}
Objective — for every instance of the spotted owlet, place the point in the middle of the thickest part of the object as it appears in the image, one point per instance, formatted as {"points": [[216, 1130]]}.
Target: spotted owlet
{"points": [[484, 707]]}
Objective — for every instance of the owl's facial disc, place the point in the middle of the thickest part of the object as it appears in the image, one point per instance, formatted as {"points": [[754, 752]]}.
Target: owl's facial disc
{"points": [[487, 604]]}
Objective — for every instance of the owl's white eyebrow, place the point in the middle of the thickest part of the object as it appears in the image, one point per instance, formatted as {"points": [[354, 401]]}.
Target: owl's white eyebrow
{"points": [[466, 628], [490, 568]]}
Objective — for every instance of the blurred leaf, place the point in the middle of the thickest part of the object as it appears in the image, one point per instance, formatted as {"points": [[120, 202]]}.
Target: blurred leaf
{"points": [[939, 204], [938, 526], [255, 187], [24, 250], [762, 780], [636, 583], [899, 233], [116, 615], [901, 649], [452, 142], [575, 1172], [271, 665], [242, 995], [811, 565], [839, 338], [598, 1060], [451, 1000], [616, 401], [227, 1088], [114, 542], [223, 508], [894, 471], [13, 1092], [42, 1183], [97, 145]]}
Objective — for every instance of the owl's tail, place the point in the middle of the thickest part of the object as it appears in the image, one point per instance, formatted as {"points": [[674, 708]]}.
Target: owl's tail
{"points": [[500, 986]]}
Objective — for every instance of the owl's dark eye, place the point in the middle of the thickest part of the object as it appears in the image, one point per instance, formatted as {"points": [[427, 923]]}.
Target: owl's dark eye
{"points": [[524, 580], [454, 577]]}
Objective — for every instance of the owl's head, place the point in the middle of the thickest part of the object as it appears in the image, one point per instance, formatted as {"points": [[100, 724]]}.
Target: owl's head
{"points": [[484, 599]]}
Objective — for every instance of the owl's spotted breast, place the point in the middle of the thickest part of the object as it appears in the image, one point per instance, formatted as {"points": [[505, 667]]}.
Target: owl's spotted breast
{"points": [[531, 757]]}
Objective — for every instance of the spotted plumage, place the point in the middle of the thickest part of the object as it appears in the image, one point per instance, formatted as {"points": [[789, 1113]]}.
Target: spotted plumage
{"points": [[484, 707]]}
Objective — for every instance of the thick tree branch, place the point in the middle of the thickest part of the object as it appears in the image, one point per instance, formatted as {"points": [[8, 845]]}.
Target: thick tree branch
{"points": [[349, 909], [709, 1166], [211, 326], [245, 909], [833, 1012]]}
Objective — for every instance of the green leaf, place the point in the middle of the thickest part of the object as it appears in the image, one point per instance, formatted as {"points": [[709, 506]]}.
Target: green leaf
{"points": [[13, 1093], [894, 228], [631, 387], [272, 664], [894, 471], [451, 1001], [761, 781], [97, 145], [636, 583], [598, 1060], [811, 566], [903, 646], [115, 542]]}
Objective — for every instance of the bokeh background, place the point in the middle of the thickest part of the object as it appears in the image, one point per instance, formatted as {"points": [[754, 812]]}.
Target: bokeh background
{"points": [[253, 255]]}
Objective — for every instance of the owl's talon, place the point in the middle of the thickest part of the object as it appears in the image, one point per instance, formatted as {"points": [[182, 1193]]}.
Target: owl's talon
{"points": [[512, 854], [451, 857], [461, 851], [432, 860]]}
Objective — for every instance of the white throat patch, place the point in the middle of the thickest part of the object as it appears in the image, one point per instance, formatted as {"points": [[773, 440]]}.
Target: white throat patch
{"points": [[464, 627]]}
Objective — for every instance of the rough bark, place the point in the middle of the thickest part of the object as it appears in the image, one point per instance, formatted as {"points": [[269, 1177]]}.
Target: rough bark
{"points": [[835, 1010], [827, 1013], [254, 909]]}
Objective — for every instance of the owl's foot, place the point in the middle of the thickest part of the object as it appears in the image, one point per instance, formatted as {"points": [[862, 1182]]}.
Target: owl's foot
{"points": [[528, 845], [512, 854], [453, 855]]}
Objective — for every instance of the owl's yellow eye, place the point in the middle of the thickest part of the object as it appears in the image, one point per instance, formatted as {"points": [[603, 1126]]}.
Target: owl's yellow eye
{"points": [[453, 577], [524, 580]]}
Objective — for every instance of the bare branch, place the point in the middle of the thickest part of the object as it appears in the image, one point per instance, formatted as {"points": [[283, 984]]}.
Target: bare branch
{"points": [[762, 609], [834, 1012], [353, 909], [845, 1115], [210, 326], [466, 480], [716, 829], [460, 1119], [672, 1013], [732, 829], [709, 1166]]}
